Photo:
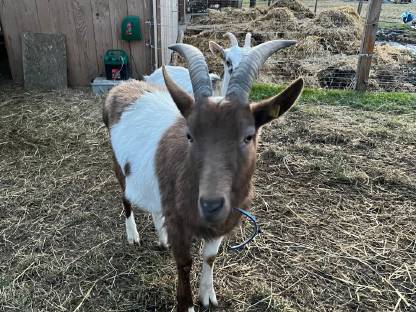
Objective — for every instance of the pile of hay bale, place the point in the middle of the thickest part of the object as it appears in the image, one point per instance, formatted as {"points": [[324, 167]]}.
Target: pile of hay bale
{"points": [[327, 49]]}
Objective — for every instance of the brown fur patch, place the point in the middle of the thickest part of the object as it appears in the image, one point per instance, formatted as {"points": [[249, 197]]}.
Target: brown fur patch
{"points": [[179, 185], [121, 97]]}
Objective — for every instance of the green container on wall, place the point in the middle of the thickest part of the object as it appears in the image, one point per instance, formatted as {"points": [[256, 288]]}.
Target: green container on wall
{"points": [[130, 28]]}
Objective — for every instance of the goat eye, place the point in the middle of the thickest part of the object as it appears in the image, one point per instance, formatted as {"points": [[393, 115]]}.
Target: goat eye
{"points": [[248, 139], [228, 63], [188, 136]]}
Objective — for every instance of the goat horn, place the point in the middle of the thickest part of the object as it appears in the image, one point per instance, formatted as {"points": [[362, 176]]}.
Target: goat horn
{"points": [[247, 41], [232, 38], [198, 69], [243, 77]]}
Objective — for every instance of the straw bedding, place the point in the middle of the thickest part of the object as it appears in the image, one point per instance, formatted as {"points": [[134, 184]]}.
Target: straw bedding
{"points": [[335, 197]]}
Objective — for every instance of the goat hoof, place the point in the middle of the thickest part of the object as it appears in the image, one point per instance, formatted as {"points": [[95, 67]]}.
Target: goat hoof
{"points": [[133, 239], [208, 299], [163, 246]]}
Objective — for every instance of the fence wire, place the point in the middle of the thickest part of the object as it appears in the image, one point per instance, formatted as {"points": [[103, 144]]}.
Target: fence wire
{"points": [[329, 41]]}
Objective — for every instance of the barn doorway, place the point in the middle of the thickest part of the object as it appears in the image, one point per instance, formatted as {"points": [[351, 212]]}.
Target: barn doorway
{"points": [[5, 74]]}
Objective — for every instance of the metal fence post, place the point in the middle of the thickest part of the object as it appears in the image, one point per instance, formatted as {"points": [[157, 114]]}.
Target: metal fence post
{"points": [[316, 6], [367, 45]]}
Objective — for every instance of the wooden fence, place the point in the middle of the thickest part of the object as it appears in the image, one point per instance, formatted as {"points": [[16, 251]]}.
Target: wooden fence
{"points": [[91, 27]]}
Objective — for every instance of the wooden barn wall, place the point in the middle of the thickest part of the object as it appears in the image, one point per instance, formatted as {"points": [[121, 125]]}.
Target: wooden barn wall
{"points": [[167, 15], [91, 27]]}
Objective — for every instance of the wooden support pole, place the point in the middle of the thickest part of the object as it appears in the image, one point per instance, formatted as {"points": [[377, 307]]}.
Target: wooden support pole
{"points": [[367, 44], [316, 6], [360, 7]]}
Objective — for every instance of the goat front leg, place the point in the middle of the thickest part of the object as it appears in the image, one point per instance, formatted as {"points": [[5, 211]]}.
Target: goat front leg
{"points": [[131, 228], [181, 247], [206, 287]]}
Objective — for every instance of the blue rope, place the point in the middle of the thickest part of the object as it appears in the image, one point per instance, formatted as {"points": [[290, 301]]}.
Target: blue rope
{"points": [[256, 231]]}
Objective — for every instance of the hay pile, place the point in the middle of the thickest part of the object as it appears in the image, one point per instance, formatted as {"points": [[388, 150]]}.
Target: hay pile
{"points": [[325, 41], [295, 6], [340, 29], [276, 19], [345, 16], [388, 55], [227, 16]]}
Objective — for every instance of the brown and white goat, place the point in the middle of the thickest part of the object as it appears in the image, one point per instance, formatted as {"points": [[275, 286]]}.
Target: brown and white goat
{"points": [[189, 160]]}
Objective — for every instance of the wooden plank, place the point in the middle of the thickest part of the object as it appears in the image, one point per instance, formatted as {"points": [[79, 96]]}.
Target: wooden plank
{"points": [[63, 19], [85, 39], [367, 45], [118, 10], [157, 23], [46, 21], [155, 37], [17, 17], [147, 32], [9, 23], [139, 60], [168, 27], [102, 31]]}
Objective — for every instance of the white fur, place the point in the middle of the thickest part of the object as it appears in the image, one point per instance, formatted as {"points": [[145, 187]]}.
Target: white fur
{"points": [[206, 287], [135, 139], [181, 77], [191, 309], [178, 74], [131, 230], [234, 56], [159, 222]]}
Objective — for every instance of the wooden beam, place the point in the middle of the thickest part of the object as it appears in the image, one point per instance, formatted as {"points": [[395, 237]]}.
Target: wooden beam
{"points": [[367, 44]]}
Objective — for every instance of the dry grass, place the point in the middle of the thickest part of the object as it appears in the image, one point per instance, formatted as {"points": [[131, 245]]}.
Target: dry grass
{"points": [[335, 198]]}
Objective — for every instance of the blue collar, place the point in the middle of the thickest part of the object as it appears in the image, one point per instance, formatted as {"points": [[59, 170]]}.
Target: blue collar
{"points": [[256, 231]]}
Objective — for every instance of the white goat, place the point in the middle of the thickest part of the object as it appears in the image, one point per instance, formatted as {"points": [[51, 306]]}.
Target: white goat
{"points": [[231, 57]]}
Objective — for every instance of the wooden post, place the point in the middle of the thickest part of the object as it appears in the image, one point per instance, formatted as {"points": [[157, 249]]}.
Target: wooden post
{"points": [[367, 44], [316, 6], [360, 7], [174, 56]]}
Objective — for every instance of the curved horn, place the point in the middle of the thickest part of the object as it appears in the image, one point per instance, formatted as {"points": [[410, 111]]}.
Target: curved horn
{"points": [[247, 41], [243, 77], [232, 38], [198, 69]]}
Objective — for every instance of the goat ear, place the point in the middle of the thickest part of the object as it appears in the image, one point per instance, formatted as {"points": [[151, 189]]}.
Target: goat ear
{"points": [[182, 99], [217, 50], [274, 107]]}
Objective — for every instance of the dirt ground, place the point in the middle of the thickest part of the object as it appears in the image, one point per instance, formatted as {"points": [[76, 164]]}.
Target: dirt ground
{"points": [[335, 197]]}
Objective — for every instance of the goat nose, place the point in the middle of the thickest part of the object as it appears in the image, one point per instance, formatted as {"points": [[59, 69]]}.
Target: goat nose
{"points": [[211, 206]]}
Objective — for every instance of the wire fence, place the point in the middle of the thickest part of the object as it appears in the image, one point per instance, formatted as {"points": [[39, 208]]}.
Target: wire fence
{"points": [[329, 40]]}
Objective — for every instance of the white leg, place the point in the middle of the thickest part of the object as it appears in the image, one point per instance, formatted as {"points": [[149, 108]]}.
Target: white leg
{"points": [[206, 287], [159, 221], [131, 230]]}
